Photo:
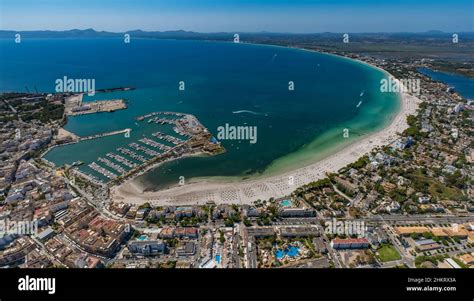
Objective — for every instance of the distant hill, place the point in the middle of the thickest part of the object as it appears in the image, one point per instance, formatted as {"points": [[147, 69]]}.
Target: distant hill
{"points": [[182, 34], [74, 33], [91, 33]]}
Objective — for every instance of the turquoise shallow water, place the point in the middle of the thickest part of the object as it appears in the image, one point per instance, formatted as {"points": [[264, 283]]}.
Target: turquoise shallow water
{"points": [[238, 84]]}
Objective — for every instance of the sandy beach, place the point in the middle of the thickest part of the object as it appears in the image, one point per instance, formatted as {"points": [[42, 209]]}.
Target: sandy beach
{"points": [[246, 192]]}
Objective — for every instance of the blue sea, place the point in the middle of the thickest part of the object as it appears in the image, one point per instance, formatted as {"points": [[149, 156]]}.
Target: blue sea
{"points": [[238, 84], [462, 84]]}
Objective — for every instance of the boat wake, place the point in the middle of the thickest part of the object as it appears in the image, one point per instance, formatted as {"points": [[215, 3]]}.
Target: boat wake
{"points": [[273, 57], [249, 112]]}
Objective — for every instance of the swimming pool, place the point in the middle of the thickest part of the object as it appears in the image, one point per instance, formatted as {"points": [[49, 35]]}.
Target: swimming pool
{"points": [[218, 258], [142, 237], [290, 251], [286, 203]]}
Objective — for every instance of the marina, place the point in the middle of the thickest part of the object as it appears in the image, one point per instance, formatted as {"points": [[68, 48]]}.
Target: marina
{"points": [[147, 151], [132, 154], [111, 165], [154, 144], [168, 138], [135, 155], [122, 160], [102, 171]]}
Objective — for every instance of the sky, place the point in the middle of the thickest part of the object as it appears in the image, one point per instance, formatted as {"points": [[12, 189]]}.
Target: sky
{"points": [[295, 16]]}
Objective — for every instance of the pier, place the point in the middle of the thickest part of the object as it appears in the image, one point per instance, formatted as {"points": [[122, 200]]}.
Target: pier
{"points": [[101, 135], [162, 120], [114, 89], [167, 138], [154, 114], [106, 173], [112, 165], [147, 151], [122, 160], [132, 154], [155, 144]]}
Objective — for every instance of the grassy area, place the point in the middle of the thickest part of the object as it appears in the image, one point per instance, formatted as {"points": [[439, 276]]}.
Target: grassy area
{"points": [[438, 190], [444, 192], [388, 253], [419, 260]]}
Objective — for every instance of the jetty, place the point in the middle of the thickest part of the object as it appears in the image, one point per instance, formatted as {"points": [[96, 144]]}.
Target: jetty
{"points": [[101, 135], [147, 151], [102, 171], [153, 114], [168, 138], [162, 120], [155, 144], [132, 154], [122, 160], [114, 89], [112, 165]]}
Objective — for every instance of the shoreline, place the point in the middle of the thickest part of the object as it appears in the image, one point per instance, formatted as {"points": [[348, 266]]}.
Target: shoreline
{"points": [[334, 147], [270, 170], [202, 191]]}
